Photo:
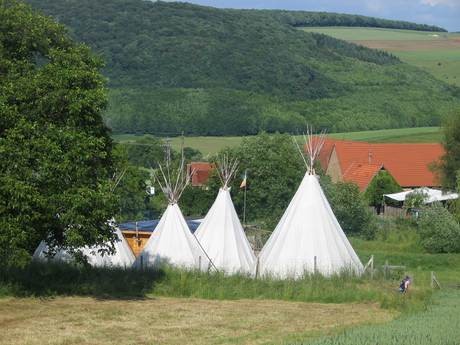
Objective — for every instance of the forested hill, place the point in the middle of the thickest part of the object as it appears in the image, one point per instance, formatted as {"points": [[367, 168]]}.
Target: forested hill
{"points": [[176, 67], [307, 18]]}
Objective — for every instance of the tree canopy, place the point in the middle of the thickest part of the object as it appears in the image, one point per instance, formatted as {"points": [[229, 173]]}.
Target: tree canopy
{"points": [[177, 67], [56, 160]]}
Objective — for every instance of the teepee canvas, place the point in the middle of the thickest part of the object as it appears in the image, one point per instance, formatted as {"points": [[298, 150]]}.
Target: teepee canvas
{"points": [[172, 242], [122, 257], [308, 238], [221, 234]]}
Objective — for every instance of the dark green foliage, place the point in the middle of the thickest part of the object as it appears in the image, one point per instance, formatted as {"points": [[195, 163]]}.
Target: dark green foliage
{"points": [[450, 162], [146, 152], [177, 67], [349, 207], [439, 230], [306, 18], [382, 183], [56, 163], [275, 170]]}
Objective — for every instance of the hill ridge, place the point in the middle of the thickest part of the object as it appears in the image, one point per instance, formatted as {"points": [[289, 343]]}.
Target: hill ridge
{"points": [[176, 67]]}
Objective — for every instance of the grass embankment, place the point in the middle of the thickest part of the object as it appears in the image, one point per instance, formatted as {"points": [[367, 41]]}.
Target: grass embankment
{"points": [[48, 280], [440, 324], [437, 53], [212, 145]]}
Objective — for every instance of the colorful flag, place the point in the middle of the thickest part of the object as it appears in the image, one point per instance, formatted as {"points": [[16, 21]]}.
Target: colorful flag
{"points": [[243, 183]]}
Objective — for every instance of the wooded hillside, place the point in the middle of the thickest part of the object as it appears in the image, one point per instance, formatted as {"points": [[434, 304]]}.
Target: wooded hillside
{"points": [[176, 67]]}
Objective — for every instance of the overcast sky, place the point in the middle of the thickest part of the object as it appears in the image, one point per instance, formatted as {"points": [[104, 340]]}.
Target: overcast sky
{"points": [[445, 13]]}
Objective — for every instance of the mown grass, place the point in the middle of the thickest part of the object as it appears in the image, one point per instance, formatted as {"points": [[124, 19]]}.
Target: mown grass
{"points": [[212, 145], [175, 321], [440, 324]]}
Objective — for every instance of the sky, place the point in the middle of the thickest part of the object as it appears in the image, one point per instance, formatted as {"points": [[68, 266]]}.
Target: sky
{"points": [[444, 13]]}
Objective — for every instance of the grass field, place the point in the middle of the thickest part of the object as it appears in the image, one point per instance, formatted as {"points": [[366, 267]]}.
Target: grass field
{"points": [[61, 304], [439, 325], [174, 321], [437, 53], [212, 145]]}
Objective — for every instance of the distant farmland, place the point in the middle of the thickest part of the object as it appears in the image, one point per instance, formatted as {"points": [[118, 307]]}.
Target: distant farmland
{"points": [[436, 52], [212, 145]]}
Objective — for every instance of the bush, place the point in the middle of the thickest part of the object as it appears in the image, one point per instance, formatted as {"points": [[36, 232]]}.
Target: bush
{"points": [[439, 230], [382, 183], [350, 208]]}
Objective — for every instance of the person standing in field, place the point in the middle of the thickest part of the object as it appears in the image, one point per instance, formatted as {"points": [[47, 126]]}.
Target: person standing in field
{"points": [[404, 286]]}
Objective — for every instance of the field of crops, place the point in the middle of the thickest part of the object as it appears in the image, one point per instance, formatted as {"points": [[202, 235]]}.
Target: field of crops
{"points": [[212, 145], [437, 53], [440, 324]]}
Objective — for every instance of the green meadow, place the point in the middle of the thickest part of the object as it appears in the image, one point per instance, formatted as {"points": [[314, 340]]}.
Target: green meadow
{"points": [[212, 145]]}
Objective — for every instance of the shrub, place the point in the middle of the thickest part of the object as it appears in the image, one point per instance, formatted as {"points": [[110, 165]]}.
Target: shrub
{"points": [[439, 230], [349, 207]]}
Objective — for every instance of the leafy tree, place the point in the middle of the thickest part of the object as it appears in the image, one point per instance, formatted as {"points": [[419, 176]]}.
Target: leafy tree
{"points": [[275, 170], [415, 199], [450, 163], [55, 151], [349, 207], [439, 230], [382, 183], [146, 152]]}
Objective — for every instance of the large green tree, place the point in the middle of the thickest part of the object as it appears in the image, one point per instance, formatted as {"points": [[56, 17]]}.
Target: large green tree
{"points": [[450, 163], [56, 165]]}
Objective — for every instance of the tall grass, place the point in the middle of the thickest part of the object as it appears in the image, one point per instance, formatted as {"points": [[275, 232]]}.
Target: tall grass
{"points": [[440, 324], [53, 279]]}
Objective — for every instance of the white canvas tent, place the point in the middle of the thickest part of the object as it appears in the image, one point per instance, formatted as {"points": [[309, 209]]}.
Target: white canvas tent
{"points": [[172, 242], [122, 257], [308, 238], [221, 234], [431, 195]]}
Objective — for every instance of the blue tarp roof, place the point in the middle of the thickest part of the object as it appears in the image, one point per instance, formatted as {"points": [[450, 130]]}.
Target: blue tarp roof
{"points": [[150, 225]]}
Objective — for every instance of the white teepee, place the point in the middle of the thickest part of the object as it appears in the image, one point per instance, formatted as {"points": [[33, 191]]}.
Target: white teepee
{"points": [[308, 237], [172, 242], [221, 234], [122, 257]]}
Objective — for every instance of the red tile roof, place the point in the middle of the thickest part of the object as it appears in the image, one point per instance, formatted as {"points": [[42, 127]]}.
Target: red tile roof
{"points": [[200, 172], [361, 174], [409, 164]]}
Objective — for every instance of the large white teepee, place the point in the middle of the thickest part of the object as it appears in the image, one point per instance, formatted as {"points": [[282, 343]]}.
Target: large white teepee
{"points": [[122, 257], [172, 242], [221, 234], [308, 237]]}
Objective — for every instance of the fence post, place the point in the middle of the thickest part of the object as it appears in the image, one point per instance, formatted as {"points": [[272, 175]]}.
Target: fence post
{"points": [[385, 270], [257, 267], [199, 263], [372, 266], [315, 266]]}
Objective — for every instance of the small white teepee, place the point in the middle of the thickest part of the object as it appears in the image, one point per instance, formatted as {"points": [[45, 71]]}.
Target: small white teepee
{"points": [[308, 238], [221, 234], [172, 242], [122, 257]]}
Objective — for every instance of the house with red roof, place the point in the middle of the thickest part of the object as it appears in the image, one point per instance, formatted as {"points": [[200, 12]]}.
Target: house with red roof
{"points": [[200, 172], [359, 162]]}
